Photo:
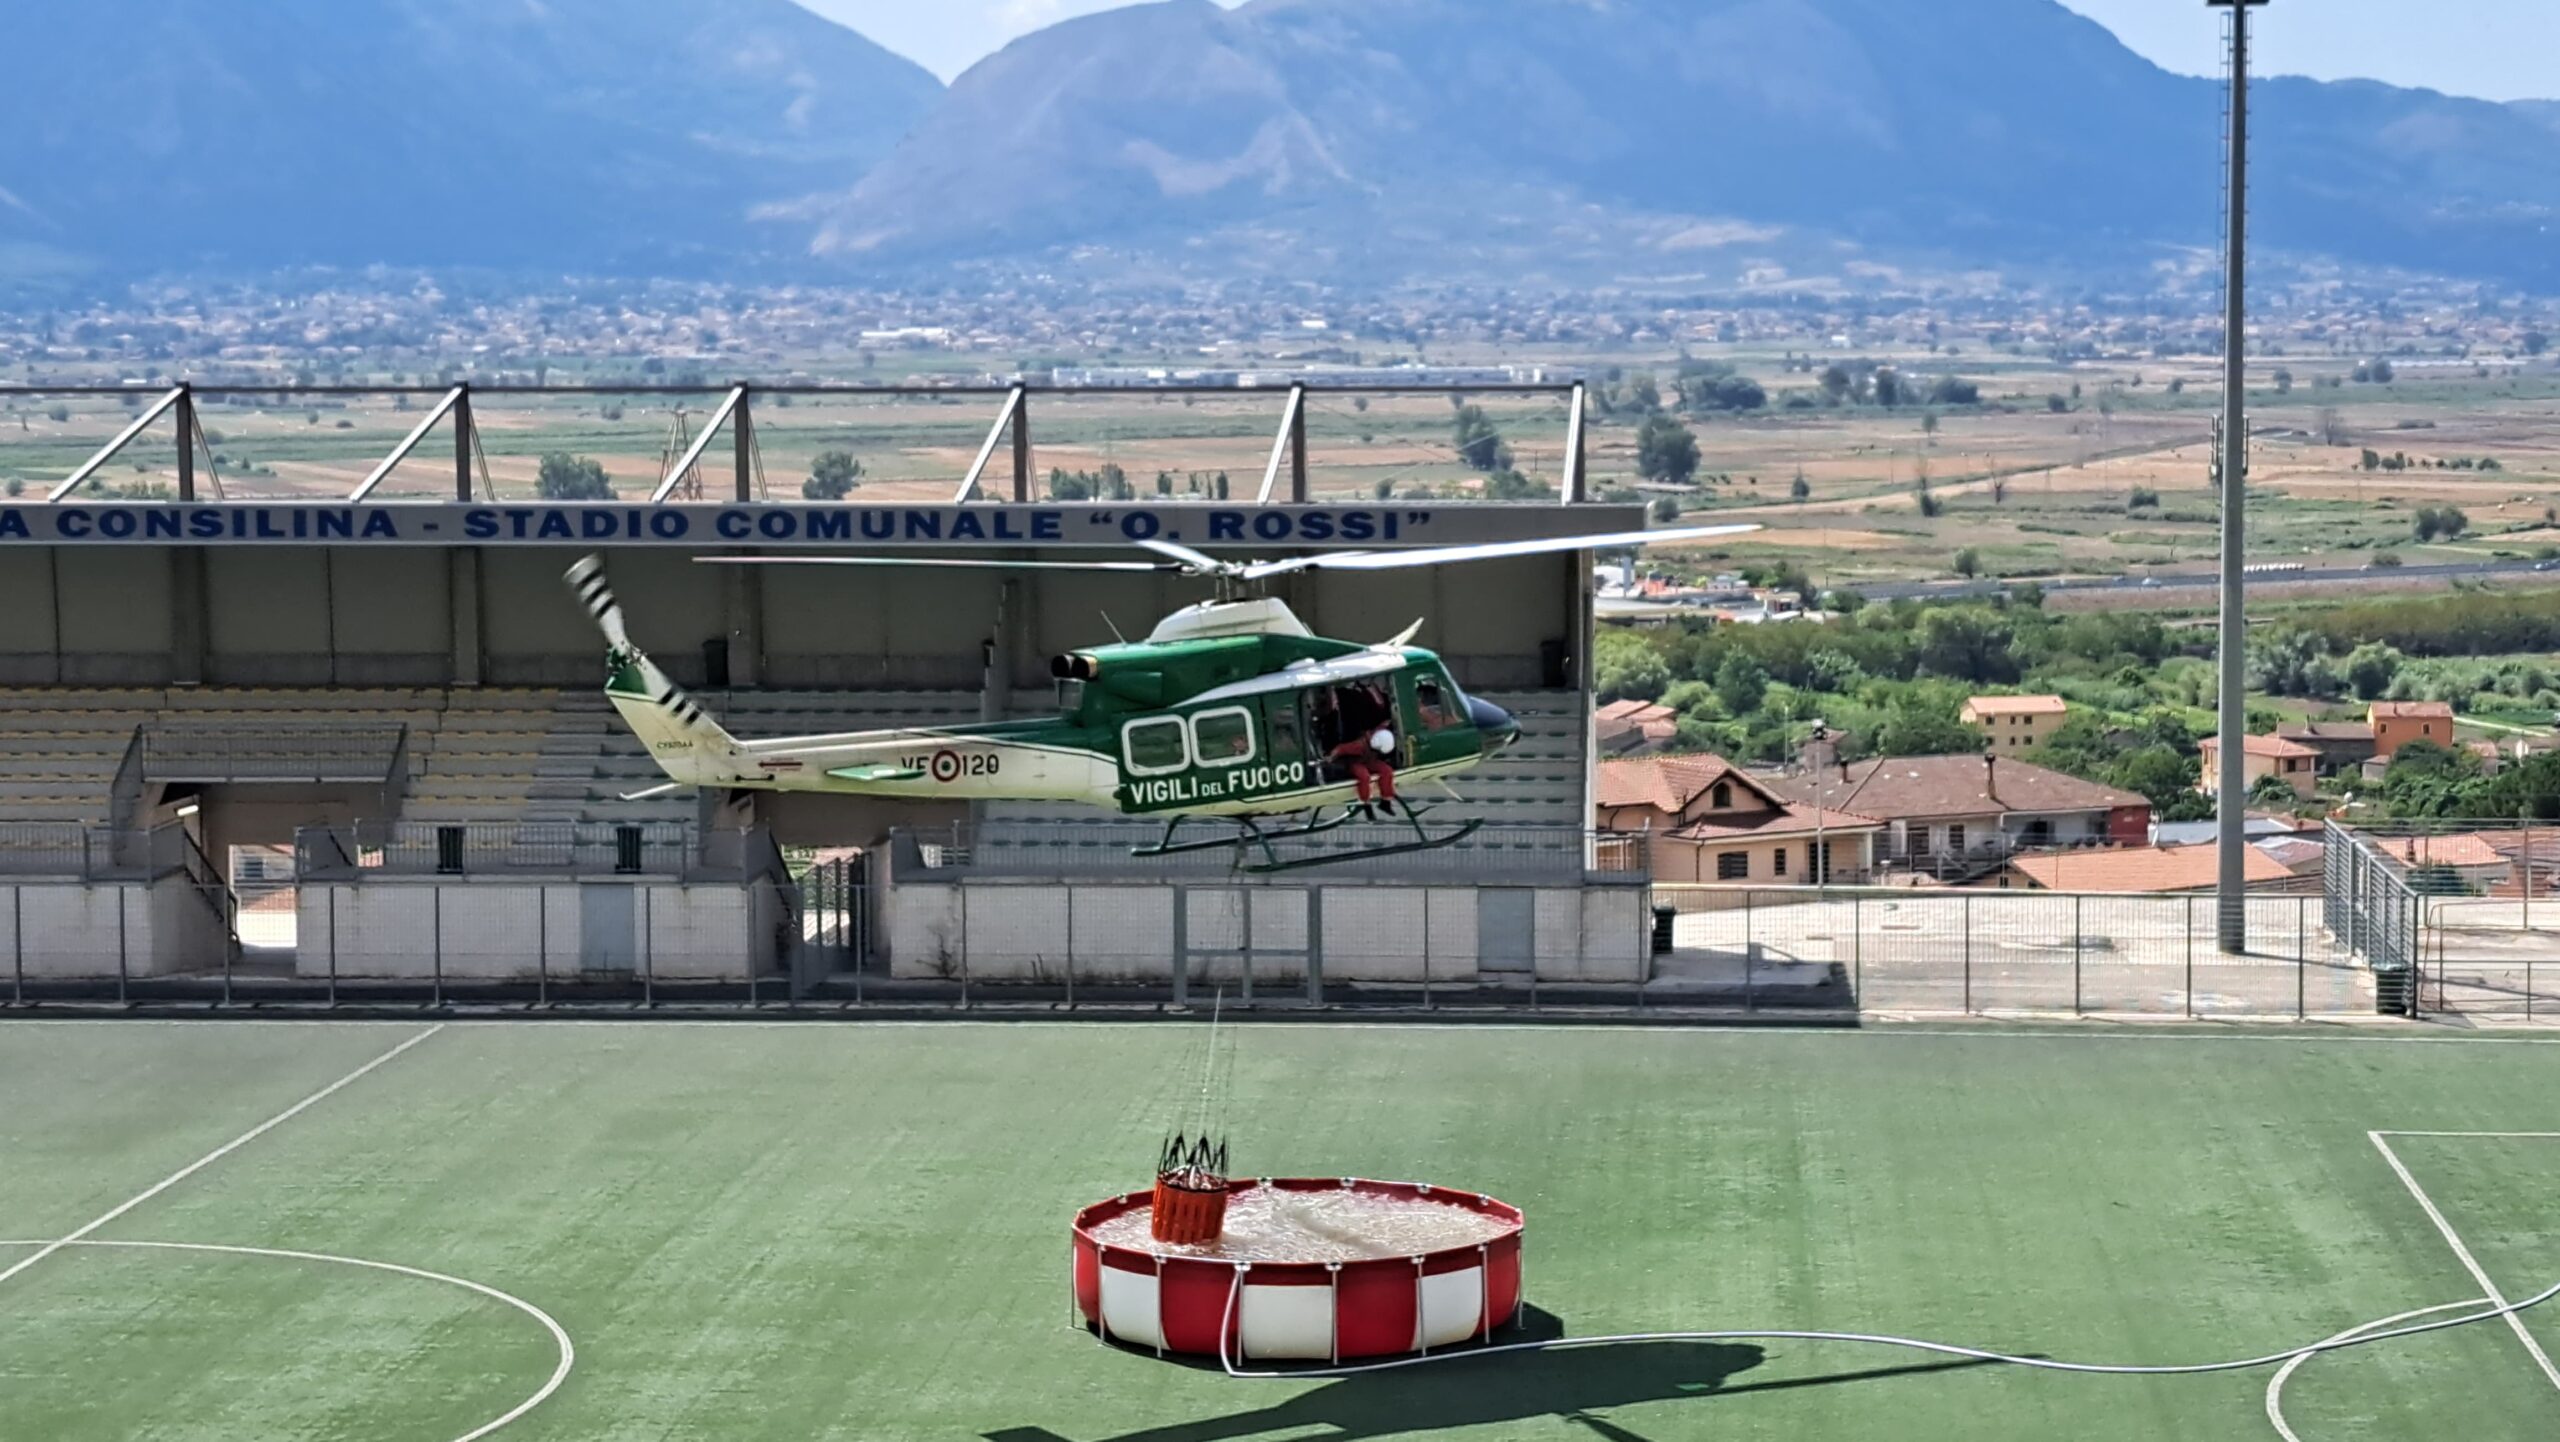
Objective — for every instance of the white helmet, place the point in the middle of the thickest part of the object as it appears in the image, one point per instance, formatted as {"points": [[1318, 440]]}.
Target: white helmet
{"points": [[1382, 741]]}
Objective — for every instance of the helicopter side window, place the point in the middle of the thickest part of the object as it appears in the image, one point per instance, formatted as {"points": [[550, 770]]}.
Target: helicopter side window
{"points": [[1280, 723], [1434, 707], [1223, 737], [1155, 745]]}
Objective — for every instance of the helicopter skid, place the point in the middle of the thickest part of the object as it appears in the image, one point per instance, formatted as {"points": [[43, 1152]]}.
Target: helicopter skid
{"points": [[1247, 833], [1423, 841]]}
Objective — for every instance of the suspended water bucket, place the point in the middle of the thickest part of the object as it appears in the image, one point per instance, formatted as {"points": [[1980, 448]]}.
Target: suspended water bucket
{"points": [[1308, 1269]]}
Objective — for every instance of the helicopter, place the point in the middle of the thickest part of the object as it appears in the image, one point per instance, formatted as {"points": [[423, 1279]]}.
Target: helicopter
{"points": [[1230, 711]]}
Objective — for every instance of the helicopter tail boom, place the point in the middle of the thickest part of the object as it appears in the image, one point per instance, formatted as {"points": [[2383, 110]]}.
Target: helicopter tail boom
{"points": [[682, 738]]}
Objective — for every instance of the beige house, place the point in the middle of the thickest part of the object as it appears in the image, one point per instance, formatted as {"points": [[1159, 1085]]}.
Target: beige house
{"points": [[2264, 756], [2015, 724], [1707, 820]]}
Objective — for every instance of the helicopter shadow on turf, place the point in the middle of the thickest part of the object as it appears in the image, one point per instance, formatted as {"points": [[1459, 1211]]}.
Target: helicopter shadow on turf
{"points": [[1574, 1385]]}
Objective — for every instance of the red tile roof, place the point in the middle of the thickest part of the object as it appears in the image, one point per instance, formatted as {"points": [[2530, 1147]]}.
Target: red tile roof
{"points": [[1912, 788], [1666, 783], [2019, 705], [2412, 710], [1789, 820], [2467, 848], [2275, 746], [2143, 868]]}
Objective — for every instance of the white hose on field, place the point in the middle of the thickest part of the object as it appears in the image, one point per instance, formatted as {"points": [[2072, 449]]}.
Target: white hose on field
{"points": [[2353, 1337]]}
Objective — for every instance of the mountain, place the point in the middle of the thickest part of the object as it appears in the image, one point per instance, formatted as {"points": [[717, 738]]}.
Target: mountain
{"points": [[1592, 138], [633, 135]]}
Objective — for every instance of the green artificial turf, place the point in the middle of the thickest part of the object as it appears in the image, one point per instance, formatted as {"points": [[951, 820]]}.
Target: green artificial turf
{"points": [[860, 1231]]}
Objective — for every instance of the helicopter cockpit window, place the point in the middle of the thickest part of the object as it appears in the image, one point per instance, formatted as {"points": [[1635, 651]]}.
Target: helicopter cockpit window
{"points": [[1155, 745], [1435, 707], [1223, 737]]}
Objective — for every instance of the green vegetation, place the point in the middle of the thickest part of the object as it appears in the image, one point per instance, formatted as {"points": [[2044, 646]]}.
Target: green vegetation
{"points": [[2427, 780], [1889, 680], [834, 474], [1666, 451], [724, 1267], [1478, 443], [564, 477]]}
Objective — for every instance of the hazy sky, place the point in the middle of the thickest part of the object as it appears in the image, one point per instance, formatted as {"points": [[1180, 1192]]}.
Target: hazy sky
{"points": [[2501, 49]]}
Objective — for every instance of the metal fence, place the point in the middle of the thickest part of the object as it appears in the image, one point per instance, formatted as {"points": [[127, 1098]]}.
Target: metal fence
{"points": [[525, 848], [70, 851], [1956, 951], [2468, 910]]}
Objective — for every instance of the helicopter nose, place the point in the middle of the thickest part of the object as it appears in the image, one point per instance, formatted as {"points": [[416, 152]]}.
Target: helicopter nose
{"points": [[1494, 726]]}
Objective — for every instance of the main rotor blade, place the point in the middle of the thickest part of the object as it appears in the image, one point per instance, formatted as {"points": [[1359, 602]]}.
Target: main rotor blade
{"points": [[1489, 551], [1204, 564], [944, 561]]}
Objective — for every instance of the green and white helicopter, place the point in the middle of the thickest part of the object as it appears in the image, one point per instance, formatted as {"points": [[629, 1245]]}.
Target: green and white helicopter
{"points": [[1230, 709]]}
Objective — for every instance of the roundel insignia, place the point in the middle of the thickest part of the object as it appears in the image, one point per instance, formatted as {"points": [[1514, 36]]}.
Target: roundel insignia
{"points": [[946, 766]]}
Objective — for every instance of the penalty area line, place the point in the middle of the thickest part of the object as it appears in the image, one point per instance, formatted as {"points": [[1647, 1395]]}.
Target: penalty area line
{"points": [[2462, 1254], [217, 1154]]}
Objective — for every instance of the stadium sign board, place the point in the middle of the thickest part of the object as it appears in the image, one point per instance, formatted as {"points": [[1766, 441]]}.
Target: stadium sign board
{"points": [[153, 523]]}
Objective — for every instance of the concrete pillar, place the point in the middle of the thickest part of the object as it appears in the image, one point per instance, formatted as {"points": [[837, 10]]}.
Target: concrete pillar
{"points": [[743, 596], [188, 631], [462, 589]]}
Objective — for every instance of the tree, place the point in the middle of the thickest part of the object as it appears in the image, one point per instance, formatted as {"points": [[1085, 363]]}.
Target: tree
{"points": [[2056, 403], [1888, 386], [830, 476], [1837, 382], [1507, 484], [2371, 668], [2160, 774], [1799, 489], [1929, 425], [1955, 391], [1666, 451], [1930, 505], [1164, 483], [2426, 779], [1625, 666], [564, 477], [1741, 683], [1666, 509], [2275, 791], [2371, 460], [2291, 661], [1968, 562], [2535, 342], [2433, 521], [1479, 444], [2284, 382], [1708, 391], [1968, 643], [1913, 729]]}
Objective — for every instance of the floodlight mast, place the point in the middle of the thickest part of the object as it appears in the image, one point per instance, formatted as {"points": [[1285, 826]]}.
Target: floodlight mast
{"points": [[2231, 792]]}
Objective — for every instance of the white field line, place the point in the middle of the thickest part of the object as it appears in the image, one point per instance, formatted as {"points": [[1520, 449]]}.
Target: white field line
{"points": [[217, 1154], [2293, 1364], [2510, 1136], [568, 1351], [2470, 1263], [2167, 1029]]}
